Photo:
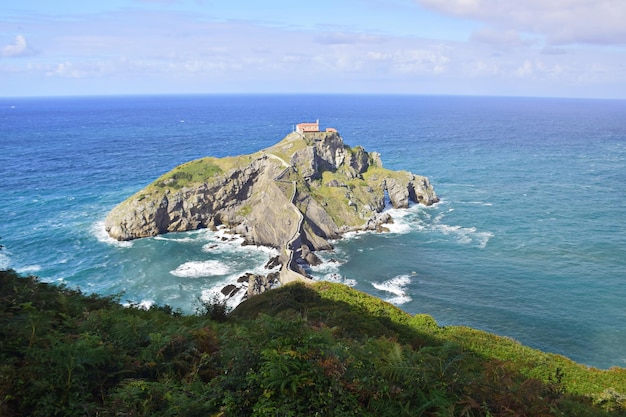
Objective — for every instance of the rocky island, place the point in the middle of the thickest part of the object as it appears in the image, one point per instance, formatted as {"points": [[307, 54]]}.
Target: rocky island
{"points": [[294, 196]]}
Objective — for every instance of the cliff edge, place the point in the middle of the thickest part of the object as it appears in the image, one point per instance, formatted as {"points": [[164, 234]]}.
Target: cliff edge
{"points": [[294, 196]]}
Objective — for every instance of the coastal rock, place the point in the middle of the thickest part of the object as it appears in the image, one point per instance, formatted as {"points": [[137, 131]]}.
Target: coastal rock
{"points": [[295, 196], [273, 263], [258, 284], [230, 290], [251, 284], [421, 191]]}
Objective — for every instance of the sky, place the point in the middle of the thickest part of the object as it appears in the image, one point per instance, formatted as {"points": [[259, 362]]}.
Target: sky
{"points": [[540, 48]]}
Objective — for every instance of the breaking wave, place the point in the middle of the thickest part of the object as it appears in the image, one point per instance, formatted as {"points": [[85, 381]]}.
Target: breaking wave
{"points": [[396, 287], [29, 269], [4, 261], [197, 269], [419, 218], [101, 234]]}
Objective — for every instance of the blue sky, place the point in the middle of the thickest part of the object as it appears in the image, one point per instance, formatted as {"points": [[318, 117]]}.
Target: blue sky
{"points": [[563, 48]]}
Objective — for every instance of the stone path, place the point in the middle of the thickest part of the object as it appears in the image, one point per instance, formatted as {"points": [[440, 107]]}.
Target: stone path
{"points": [[287, 272]]}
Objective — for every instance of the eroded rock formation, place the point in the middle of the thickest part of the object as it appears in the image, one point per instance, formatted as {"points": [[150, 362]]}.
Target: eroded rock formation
{"points": [[295, 196]]}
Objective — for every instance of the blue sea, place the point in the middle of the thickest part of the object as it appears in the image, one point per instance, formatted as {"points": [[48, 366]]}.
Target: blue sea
{"points": [[528, 241]]}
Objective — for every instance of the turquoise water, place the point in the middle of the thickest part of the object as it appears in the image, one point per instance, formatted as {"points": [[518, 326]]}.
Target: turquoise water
{"points": [[529, 240]]}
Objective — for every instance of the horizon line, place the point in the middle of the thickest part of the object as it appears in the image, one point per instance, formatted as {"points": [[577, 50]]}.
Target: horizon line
{"points": [[283, 94]]}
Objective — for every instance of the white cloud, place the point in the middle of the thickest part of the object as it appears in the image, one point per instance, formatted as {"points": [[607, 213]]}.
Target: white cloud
{"points": [[420, 61], [154, 51], [503, 38], [18, 48], [65, 69], [560, 21], [553, 51], [525, 70], [344, 38]]}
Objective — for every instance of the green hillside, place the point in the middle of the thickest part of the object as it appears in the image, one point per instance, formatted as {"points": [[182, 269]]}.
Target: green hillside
{"points": [[320, 350]]}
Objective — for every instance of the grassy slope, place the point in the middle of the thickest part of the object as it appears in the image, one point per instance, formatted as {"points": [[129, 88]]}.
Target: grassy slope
{"points": [[199, 171], [533, 363], [194, 173], [296, 350]]}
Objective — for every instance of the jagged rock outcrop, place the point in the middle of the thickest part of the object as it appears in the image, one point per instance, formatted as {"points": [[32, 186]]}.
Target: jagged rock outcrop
{"points": [[409, 188], [296, 196], [236, 199]]}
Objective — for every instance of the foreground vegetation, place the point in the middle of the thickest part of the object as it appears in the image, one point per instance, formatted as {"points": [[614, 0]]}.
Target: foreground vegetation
{"points": [[323, 350]]}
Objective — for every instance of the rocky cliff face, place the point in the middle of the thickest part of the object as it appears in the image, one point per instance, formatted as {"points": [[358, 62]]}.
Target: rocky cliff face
{"points": [[295, 196]]}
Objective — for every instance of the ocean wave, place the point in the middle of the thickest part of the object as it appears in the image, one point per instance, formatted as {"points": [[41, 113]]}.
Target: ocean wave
{"points": [[353, 235], [222, 241], [337, 278], [197, 269], [235, 246], [100, 233], [396, 287], [328, 266], [423, 221], [29, 269], [4, 261], [478, 203], [176, 239], [465, 235], [328, 270], [214, 292], [400, 224]]}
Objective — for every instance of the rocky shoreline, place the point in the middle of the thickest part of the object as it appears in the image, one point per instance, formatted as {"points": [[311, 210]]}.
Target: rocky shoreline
{"points": [[254, 284]]}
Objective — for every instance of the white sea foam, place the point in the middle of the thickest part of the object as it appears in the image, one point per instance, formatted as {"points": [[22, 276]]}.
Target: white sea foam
{"points": [[483, 238], [29, 269], [193, 236], [328, 270], [465, 235], [399, 226], [176, 239], [197, 269], [349, 236], [235, 246], [143, 304], [478, 203], [339, 279], [349, 282], [327, 266], [4, 261], [101, 234], [215, 291], [222, 241], [396, 287]]}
